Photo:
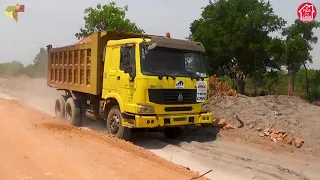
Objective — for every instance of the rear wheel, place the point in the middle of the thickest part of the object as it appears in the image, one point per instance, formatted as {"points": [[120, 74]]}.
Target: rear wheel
{"points": [[72, 112], [114, 124], [59, 107], [172, 132]]}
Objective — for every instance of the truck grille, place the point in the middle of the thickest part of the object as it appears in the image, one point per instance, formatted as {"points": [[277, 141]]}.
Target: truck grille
{"points": [[172, 96]]}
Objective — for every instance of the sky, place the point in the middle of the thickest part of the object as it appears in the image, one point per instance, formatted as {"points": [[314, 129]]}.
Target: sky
{"points": [[56, 22]]}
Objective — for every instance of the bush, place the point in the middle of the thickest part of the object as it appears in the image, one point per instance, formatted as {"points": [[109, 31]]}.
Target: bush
{"points": [[14, 68], [219, 89]]}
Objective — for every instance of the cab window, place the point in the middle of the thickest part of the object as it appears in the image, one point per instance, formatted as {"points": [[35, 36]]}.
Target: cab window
{"points": [[129, 54]]}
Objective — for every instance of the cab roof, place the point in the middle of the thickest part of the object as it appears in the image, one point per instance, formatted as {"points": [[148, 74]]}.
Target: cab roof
{"points": [[161, 41]]}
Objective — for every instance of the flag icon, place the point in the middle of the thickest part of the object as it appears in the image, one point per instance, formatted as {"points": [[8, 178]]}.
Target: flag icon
{"points": [[12, 11], [20, 8]]}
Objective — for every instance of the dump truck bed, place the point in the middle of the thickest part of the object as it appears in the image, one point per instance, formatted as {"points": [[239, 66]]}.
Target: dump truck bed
{"points": [[79, 67]]}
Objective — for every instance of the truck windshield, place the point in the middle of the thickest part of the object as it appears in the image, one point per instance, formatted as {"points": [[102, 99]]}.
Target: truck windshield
{"points": [[172, 62]]}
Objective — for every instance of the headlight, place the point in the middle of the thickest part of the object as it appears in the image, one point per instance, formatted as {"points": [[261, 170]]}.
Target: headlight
{"points": [[205, 108], [143, 109]]}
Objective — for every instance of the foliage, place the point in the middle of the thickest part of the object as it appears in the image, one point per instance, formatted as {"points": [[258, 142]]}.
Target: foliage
{"points": [[219, 88], [228, 80], [266, 83], [37, 69], [106, 18], [39, 66], [314, 80], [299, 40], [301, 29], [14, 68], [40, 62], [235, 34], [277, 84]]}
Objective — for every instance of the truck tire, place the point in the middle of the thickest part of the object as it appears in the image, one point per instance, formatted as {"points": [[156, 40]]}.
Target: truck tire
{"points": [[72, 112], [173, 132], [114, 124], [59, 107]]}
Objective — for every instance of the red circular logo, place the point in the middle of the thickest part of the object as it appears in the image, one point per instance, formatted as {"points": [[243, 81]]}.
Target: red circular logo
{"points": [[307, 12]]}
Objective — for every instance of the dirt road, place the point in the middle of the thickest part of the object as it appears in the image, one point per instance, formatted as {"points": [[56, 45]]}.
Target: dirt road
{"points": [[34, 146], [201, 150]]}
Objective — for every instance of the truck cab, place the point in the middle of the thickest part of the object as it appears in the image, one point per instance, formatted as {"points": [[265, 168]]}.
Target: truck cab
{"points": [[158, 82]]}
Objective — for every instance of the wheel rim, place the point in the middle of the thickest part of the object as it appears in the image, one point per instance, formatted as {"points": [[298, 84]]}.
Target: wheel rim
{"points": [[58, 108], [68, 113], [114, 124]]}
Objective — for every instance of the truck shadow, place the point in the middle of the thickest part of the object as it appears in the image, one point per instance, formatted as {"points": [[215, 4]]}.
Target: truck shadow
{"points": [[157, 140]]}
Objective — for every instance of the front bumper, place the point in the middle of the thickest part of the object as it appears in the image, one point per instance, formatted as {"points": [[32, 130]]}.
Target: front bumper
{"points": [[171, 120]]}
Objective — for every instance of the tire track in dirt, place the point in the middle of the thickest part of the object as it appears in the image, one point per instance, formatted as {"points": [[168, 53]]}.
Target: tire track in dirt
{"points": [[262, 165]]}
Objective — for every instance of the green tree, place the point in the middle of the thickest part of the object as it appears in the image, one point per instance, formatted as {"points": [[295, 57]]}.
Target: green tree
{"points": [[313, 80], [40, 62], [14, 68], [299, 40], [235, 34], [106, 18], [265, 82], [39, 66], [30, 70]]}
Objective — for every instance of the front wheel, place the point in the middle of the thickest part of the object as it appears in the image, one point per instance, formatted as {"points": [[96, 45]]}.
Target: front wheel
{"points": [[114, 124]]}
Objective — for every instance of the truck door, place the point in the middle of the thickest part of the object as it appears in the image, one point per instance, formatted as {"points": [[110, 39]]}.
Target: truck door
{"points": [[112, 59], [126, 84]]}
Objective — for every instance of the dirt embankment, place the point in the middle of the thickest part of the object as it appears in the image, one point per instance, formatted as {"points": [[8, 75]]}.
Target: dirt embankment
{"points": [[34, 146], [293, 115]]}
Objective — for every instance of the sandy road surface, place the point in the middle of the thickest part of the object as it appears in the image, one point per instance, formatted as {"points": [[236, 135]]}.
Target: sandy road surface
{"points": [[34, 146], [201, 150]]}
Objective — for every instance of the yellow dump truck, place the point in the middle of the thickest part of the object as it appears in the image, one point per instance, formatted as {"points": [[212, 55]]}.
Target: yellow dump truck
{"points": [[132, 81]]}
